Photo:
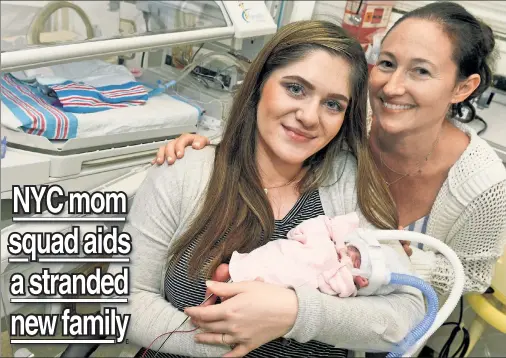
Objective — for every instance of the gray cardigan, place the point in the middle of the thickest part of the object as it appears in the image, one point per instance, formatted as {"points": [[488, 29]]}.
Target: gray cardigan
{"points": [[164, 206]]}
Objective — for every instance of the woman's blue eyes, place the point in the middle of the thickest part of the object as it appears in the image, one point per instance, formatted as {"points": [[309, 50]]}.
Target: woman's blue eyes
{"points": [[298, 90], [295, 89], [334, 106]]}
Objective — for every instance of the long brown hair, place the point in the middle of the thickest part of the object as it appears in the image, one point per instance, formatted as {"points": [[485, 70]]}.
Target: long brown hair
{"points": [[236, 213]]}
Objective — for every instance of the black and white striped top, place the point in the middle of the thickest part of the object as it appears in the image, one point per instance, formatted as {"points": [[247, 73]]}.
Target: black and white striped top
{"points": [[183, 292]]}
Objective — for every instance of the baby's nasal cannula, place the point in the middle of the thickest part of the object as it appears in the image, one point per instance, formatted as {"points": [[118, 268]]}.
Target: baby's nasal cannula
{"points": [[186, 319]]}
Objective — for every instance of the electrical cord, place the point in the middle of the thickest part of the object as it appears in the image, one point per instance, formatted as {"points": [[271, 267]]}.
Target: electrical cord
{"points": [[467, 105], [485, 125], [464, 345], [359, 7], [468, 119], [196, 52], [145, 15], [142, 59]]}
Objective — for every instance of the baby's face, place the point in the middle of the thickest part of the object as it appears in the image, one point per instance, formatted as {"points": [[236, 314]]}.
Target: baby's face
{"points": [[354, 256]]}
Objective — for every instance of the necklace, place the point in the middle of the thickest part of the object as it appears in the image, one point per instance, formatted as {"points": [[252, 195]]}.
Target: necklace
{"points": [[266, 190], [420, 163]]}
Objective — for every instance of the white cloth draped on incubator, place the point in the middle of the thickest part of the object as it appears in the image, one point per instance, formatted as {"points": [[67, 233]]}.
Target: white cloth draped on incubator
{"points": [[87, 99]]}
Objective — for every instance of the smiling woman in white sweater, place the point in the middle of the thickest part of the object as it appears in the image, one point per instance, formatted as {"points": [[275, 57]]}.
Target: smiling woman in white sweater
{"points": [[445, 180]]}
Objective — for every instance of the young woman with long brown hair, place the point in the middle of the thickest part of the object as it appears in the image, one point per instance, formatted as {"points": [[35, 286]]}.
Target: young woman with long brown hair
{"points": [[289, 152]]}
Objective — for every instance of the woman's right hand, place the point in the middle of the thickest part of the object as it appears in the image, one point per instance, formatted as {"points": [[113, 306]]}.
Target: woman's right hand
{"points": [[252, 314], [174, 149]]}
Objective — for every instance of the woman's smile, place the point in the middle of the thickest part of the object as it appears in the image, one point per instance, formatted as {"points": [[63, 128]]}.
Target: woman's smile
{"points": [[298, 135]]}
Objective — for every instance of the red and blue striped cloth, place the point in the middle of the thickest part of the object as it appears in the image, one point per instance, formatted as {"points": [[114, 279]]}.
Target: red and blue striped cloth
{"points": [[35, 111], [47, 110], [82, 98]]}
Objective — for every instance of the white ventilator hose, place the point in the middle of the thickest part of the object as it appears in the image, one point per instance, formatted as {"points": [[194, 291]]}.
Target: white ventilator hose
{"points": [[458, 269]]}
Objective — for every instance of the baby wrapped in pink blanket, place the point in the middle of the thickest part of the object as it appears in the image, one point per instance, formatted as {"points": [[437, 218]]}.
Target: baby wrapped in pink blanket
{"points": [[315, 254]]}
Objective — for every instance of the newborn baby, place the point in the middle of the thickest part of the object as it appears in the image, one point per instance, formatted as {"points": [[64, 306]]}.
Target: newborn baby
{"points": [[355, 257], [320, 253]]}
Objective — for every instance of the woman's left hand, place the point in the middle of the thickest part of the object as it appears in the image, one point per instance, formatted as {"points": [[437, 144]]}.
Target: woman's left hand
{"points": [[406, 245], [253, 314]]}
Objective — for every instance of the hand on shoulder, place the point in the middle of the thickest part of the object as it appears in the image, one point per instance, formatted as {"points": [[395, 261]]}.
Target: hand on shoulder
{"points": [[175, 149]]}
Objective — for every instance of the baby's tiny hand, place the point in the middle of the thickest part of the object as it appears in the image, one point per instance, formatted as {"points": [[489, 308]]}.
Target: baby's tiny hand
{"points": [[360, 282]]}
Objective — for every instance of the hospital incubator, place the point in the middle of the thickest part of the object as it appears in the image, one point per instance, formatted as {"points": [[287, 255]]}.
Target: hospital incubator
{"points": [[155, 41], [202, 47], [91, 90]]}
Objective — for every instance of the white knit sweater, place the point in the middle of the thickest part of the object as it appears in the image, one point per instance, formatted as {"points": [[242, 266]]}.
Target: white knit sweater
{"points": [[469, 215]]}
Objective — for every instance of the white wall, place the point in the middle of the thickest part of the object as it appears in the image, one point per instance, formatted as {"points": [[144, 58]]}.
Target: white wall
{"points": [[492, 12], [329, 10]]}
